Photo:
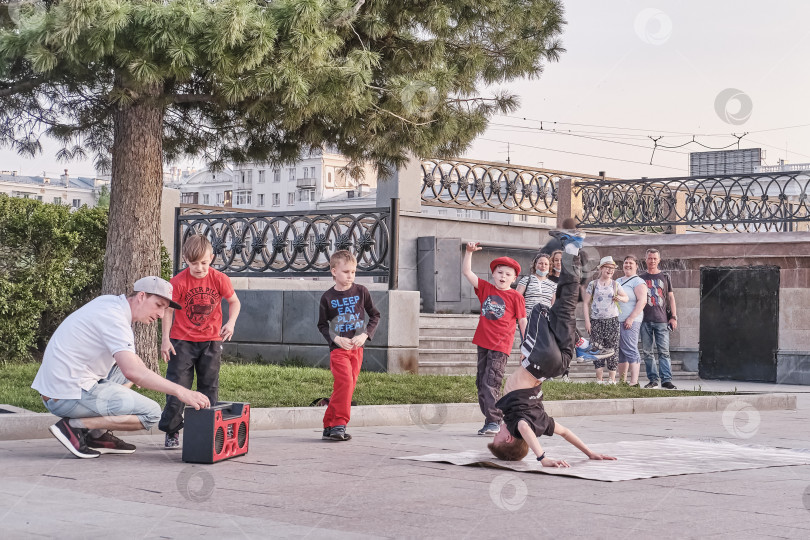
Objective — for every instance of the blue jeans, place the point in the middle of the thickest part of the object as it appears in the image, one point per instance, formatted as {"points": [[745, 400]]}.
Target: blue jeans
{"points": [[656, 335], [108, 397]]}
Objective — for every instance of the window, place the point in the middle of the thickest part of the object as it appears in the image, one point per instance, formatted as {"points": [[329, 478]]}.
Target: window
{"points": [[292, 175], [261, 177], [261, 199], [220, 198], [57, 200], [242, 177], [39, 198], [250, 176], [249, 194], [276, 199], [306, 195], [463, 213], [277, 175], [523, 217], [484, 214], [290, 199], [442, 211], [206, 198]]}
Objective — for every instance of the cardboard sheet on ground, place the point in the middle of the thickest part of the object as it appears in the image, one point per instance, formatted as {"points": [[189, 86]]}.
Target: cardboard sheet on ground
{"points": [[639, 459]]}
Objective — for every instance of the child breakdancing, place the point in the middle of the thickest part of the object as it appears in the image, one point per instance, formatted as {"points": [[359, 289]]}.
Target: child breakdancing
{"points": [[546, 352]]}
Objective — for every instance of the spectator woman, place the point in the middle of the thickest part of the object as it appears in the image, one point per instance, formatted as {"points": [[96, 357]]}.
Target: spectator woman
{"points": [[602, 297], [630, 315], [536, 288]]}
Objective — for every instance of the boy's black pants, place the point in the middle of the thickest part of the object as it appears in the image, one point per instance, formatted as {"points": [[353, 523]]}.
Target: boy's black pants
{"points": [[205, 358], [551, 333]]}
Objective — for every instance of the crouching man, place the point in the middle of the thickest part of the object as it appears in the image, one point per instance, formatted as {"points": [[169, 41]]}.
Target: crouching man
{"points": [[90, 364]]}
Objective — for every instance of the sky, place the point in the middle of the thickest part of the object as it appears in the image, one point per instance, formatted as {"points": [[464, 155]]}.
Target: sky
{"points": [[635, 70]]}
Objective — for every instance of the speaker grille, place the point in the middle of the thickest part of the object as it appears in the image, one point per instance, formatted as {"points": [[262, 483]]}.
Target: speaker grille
{"points": [[241, 436], [219, 440]]}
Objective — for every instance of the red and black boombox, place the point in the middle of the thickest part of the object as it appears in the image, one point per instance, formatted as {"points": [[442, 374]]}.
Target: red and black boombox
{"points": [[216, 433]]}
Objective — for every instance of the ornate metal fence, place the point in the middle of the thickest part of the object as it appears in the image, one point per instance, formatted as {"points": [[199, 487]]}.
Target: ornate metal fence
{"points": [[292, 244], [482, 185], [728, 203]]}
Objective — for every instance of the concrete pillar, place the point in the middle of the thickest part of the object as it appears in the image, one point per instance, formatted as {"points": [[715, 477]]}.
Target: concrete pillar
{"points": [[569, 204], [677, 208], [405, 184], [168, 202]]}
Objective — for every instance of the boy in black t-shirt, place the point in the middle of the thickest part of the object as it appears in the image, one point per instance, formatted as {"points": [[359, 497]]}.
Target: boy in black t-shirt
{"points": [[547, 351], [347, 318]]}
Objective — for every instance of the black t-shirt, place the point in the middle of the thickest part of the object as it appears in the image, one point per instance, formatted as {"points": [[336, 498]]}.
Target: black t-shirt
{"points": [[526, 404]]}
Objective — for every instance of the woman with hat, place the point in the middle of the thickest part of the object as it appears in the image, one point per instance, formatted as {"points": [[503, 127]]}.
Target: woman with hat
{"points": [[602, 297]]}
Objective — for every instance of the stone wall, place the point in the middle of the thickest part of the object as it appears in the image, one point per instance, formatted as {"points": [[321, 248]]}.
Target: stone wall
{"points": [[278, 325]]}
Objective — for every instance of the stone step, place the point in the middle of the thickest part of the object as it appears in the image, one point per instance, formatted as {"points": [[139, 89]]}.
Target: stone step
{"points": [[463, 368], [430, 343]]}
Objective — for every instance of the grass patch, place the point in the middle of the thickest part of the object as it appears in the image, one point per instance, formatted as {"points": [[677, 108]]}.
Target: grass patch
{"points": [[268, 385]]}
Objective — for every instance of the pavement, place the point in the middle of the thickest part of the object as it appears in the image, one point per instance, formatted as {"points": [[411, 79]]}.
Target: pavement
{"points": [[292, 484]]}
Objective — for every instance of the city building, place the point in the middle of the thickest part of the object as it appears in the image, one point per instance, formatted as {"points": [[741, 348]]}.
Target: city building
{"points": [[64, 189], [203, 187]]}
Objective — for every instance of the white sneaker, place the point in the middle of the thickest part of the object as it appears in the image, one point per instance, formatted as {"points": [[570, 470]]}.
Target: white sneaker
{"points": [[566, 378]]}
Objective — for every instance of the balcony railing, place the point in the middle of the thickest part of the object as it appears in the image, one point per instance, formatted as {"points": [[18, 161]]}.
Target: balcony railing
{"points": [[305, 183]]}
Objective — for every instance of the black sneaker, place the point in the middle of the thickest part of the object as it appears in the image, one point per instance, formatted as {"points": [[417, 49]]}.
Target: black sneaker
{"points": [[669, 386], [172, 441], [651, 384], [73, 439], [109, 444], [338, 433]]}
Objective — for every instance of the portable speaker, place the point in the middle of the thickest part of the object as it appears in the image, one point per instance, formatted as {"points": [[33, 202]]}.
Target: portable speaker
{"points": [[216, 433]]}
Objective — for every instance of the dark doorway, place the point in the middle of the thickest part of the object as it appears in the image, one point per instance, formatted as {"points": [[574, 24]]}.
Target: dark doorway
{"points": [[739, 323]]}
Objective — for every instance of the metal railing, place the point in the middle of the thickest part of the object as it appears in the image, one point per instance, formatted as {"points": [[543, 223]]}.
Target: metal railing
{"points": [[482, 185], [728, 203], [293, 244]]}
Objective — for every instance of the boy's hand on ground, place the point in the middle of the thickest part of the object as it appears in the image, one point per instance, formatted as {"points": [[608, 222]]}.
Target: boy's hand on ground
{"points": [[359, 341], [194, 399], [600, 457], [343, 343], [473, 246], [559, 463], [166, 350], [227, 331]]}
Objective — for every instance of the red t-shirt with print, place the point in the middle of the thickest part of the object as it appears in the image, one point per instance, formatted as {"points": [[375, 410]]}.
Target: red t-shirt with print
{"points": [[500, 311], [200, 316]]}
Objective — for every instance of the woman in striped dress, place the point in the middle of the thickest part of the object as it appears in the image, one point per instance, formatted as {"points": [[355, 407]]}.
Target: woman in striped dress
{"points": [[536, 288]]}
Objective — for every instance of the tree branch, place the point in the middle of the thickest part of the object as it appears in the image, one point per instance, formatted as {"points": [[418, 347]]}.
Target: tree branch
{"points": [[19, 88]]}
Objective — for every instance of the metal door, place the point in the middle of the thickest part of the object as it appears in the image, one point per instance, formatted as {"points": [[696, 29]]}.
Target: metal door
{"points": [[739, 323]]}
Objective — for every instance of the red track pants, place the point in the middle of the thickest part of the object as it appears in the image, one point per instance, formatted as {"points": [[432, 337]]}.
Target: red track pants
{"points": [[345, 366]]}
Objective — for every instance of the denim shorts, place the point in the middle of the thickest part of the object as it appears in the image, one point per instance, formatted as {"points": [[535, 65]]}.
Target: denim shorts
{"points": [[108, 397]]}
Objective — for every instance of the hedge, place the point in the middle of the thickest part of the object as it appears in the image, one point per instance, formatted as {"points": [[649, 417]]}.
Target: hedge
{"points": [[51, 263]]}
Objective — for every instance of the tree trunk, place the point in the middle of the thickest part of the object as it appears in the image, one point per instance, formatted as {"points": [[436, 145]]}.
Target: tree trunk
{"points": [[133, 236]]}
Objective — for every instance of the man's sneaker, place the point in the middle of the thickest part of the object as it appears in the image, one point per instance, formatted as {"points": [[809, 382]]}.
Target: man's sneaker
{"points": [[172, 441], [651, 384], [326, 432], [566, 237], [669, 386], [109, 444], [490, 428], [338, 433], [73, 439], [566, 378]]}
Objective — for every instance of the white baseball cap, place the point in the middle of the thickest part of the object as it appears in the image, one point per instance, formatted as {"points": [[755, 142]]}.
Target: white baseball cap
{"points": [[158, 286]]}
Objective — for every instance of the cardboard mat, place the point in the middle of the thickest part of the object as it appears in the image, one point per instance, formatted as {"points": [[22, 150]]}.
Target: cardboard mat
{"points": [[639, 459]]}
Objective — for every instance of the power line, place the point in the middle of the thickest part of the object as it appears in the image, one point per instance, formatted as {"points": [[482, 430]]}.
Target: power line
{"points": [[581, 154]]}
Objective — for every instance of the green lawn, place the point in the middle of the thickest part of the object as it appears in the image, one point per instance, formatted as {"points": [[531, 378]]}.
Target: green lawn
{"points": [[266, 385]]}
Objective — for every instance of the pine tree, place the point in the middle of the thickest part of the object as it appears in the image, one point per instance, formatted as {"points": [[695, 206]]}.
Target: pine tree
{"points": [[136, 83]]}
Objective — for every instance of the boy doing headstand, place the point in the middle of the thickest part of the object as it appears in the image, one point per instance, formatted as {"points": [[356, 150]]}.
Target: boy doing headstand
{"points": [[194, 341], [546, 352], [501, 308], [342, 321]]}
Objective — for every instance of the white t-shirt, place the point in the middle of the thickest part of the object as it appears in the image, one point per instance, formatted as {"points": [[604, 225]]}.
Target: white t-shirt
{"points": [[81, 350]]}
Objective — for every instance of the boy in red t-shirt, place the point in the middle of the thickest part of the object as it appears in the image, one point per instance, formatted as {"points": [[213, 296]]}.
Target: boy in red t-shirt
{"points": [[501, 307], [194, 341]]}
